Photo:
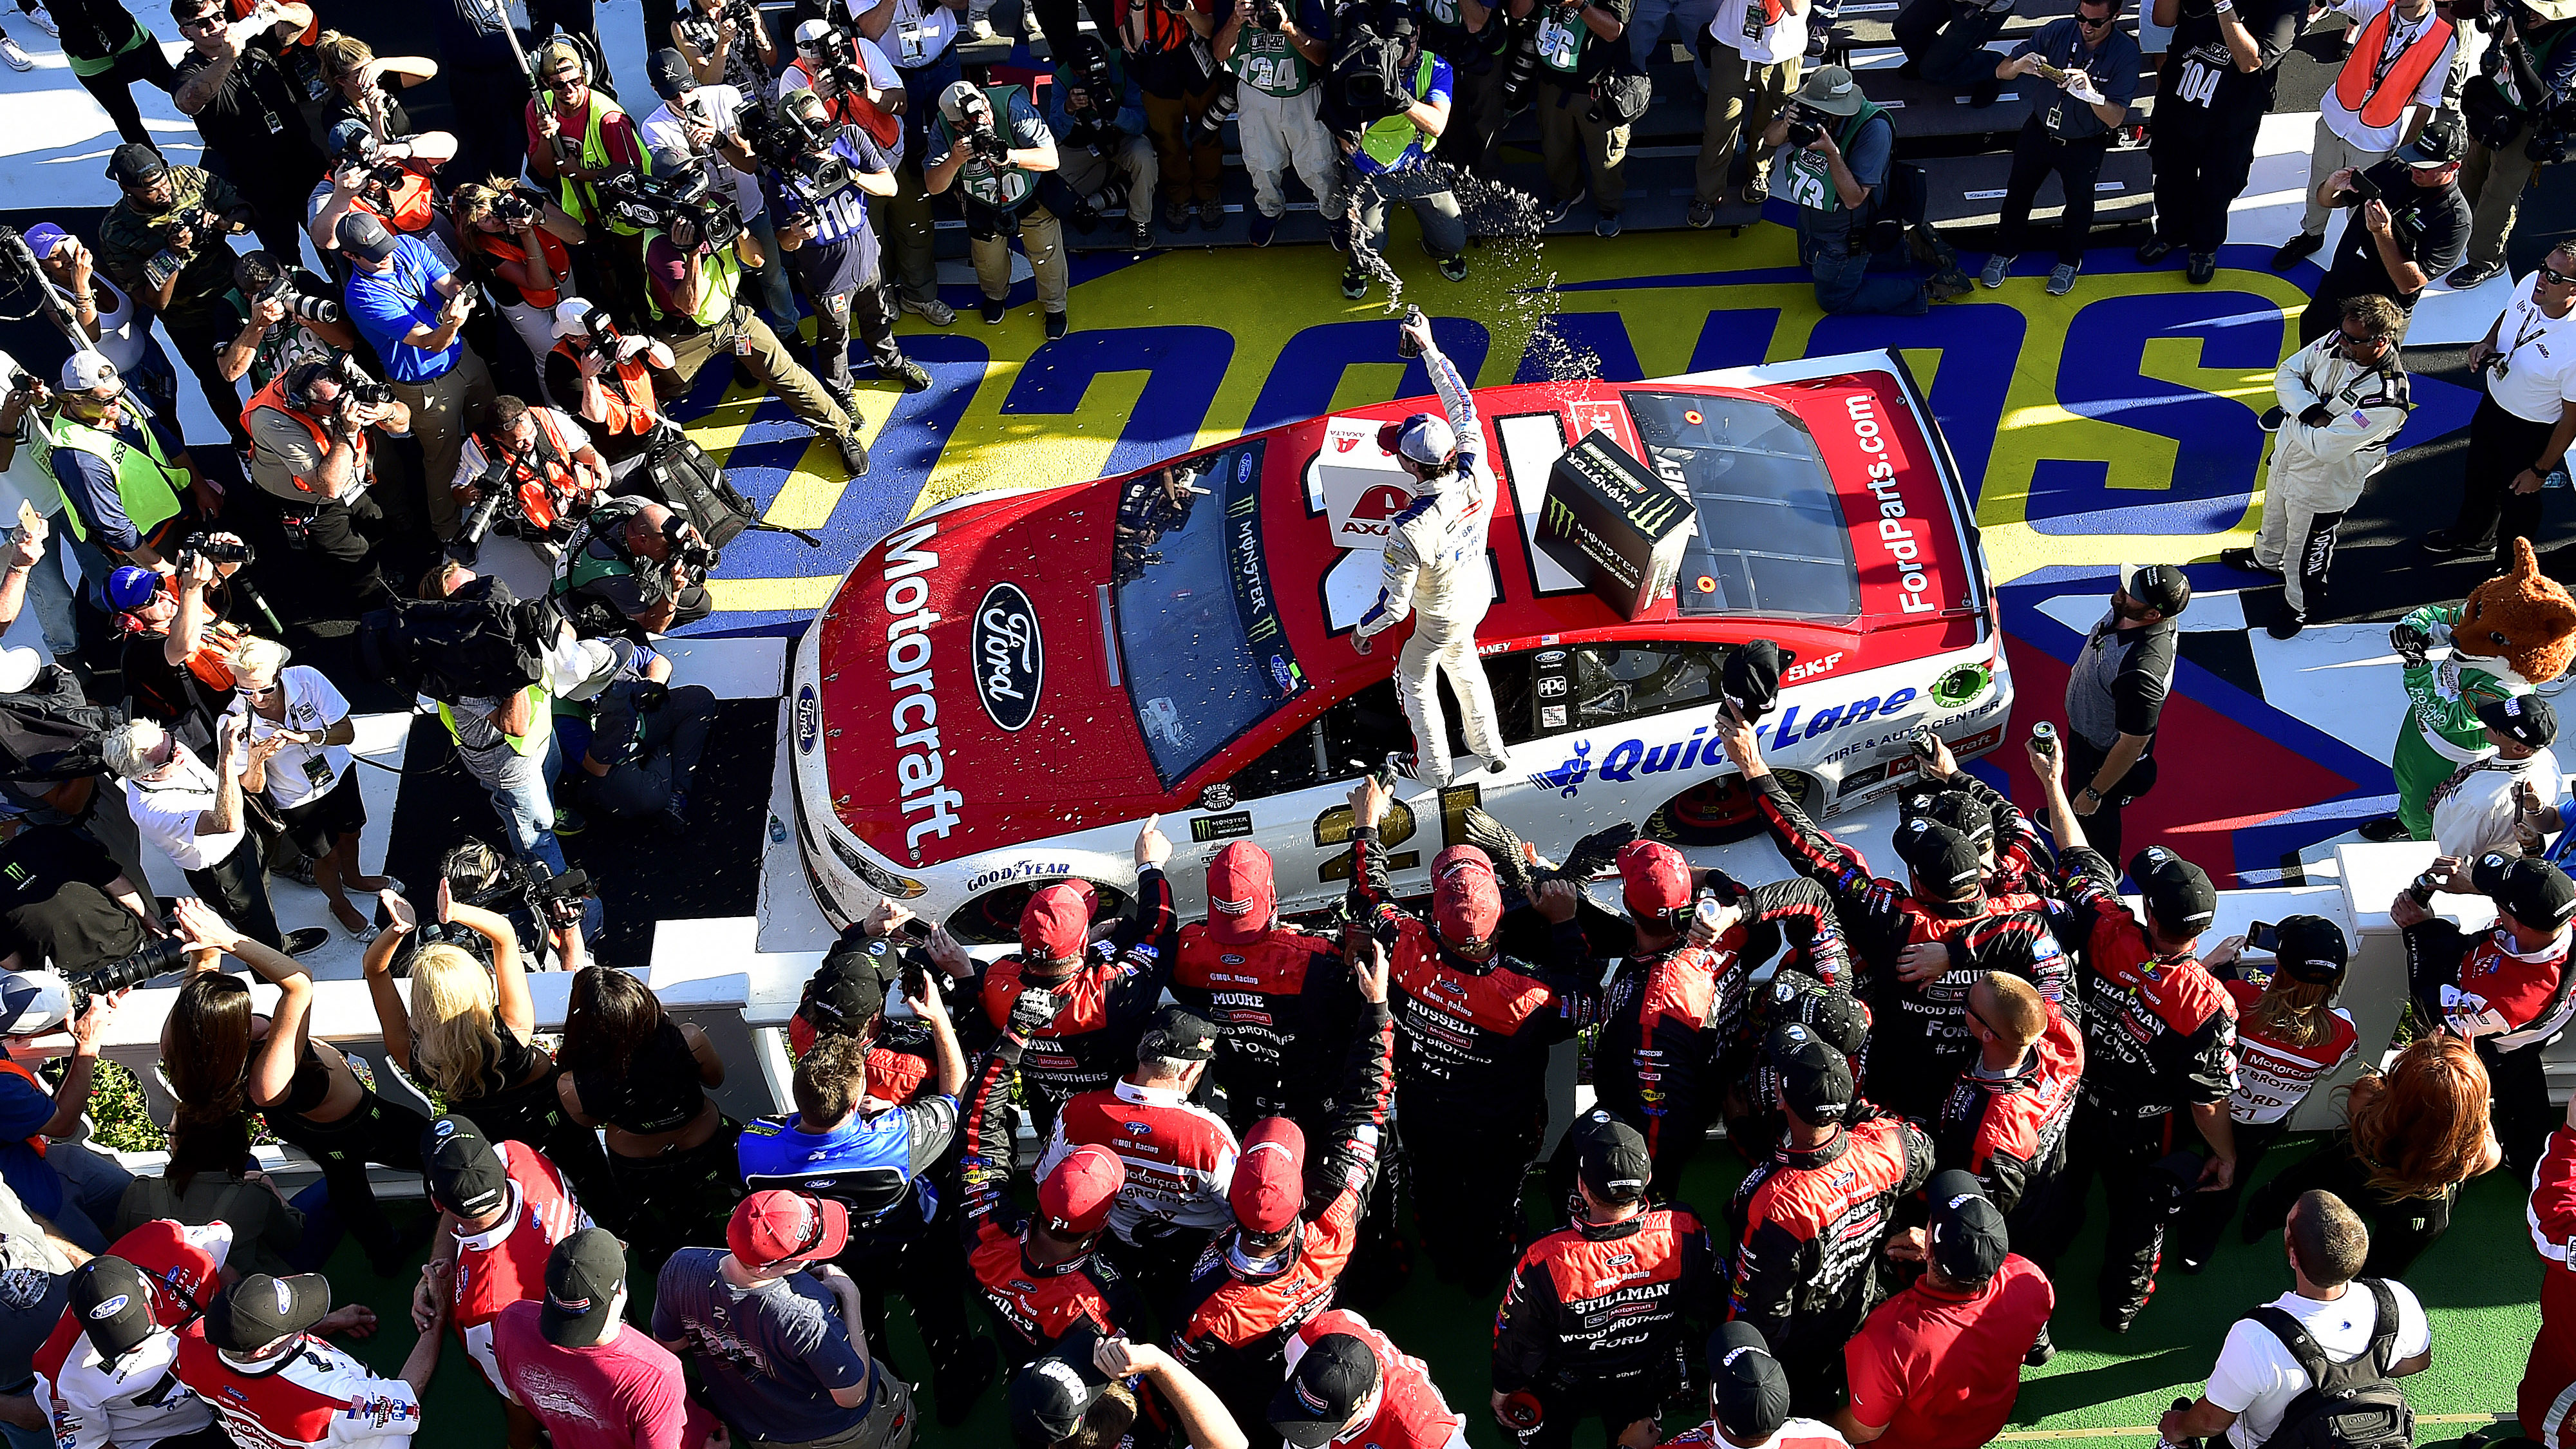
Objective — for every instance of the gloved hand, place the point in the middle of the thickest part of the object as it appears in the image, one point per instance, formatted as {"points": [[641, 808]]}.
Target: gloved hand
{"points": [[1035, 1011], [2316, 415], [2410, 643]]}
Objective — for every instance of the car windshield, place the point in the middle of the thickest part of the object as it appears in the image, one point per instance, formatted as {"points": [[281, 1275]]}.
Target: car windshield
{"points": [[1198, 631], [1771, 533]]}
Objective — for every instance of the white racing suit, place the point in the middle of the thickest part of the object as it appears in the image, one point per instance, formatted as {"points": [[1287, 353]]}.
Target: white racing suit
{"points": [[2318, 472], [1436, 571]]}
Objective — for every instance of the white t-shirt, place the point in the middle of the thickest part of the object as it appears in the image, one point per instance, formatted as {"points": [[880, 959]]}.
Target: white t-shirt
{"points": [[2403, 36], [2537, 356], [669, 145], [297, 773], [2256, 1378], [25, 477], [2473, 808], [1742, 25], [165, 812]]}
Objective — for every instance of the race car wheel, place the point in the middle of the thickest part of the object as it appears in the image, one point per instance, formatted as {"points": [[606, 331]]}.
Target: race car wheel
{"points": [[993, 918], [1720, 812]]}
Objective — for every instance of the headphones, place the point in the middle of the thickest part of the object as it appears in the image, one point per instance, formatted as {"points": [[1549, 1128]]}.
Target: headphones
{"points": [[298, 385]]}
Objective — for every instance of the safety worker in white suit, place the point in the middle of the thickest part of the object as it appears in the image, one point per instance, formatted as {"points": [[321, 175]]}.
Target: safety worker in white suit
{"points": [[2342, 398], [1436, 571]]}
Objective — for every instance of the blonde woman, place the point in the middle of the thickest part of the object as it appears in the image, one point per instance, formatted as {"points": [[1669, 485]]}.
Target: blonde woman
{"points": [[366, 84], [299, 731]]}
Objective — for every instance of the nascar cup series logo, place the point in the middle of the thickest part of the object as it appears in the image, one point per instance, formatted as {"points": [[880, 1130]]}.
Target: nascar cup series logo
{"points": [[1010, 656]]}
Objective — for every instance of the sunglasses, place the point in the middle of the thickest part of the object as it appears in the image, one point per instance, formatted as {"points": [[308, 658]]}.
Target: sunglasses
{"points": [[2554, 277], [262, 692], [2352, 343], [2091, 23]]}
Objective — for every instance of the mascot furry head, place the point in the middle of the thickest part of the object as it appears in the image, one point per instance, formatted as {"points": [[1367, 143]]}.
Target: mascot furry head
{"points": [[2521, 620]]}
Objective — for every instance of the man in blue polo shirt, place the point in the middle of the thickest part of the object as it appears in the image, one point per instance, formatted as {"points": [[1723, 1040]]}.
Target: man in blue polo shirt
{"points": [[408, 306]]}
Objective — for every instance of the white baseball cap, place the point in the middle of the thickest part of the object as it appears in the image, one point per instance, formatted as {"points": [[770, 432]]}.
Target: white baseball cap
{"points": [[19, 668], [571, 316], [1427, 438], [33, 1002], [86, 370]]}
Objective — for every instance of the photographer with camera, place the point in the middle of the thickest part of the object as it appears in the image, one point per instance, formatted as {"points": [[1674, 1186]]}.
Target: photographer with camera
{"points": [[818, 193], [193, 812], [1841, 145], [1276, 58], [2077, 74], [410, 308], [65, 904], [108, 320], [531, 447], [2525, 421], [392, 181], [2211, 98], [234, 85], [637, 561], [726, 43], [1103, 158], [26, 408], [699, 126], [610, 377], [163, 242], [1578, 48], [176, 645], [293, 319], [2520, 109], [577, 138], [299, 731], [366, 86], [127, 485], [71, 1184], [2410, 225], [1386, 124], [996, 179], [1166, 43], [2391, 84], [312, 453], [521, 245], [2505, 992], [509, 746]]}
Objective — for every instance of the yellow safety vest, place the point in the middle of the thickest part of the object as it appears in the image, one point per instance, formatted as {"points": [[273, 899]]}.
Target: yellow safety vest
{"points": [[719, 283], [147, 486]]}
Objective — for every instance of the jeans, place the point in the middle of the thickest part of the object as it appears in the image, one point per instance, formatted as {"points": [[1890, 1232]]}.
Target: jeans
{"points": [[775, 297], [93, 1184], [1845, 284], [871, 311], [658, 777], [49, 593], [523, 796]]}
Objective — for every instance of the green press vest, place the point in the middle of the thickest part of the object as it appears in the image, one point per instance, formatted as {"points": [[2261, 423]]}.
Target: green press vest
{"points": [[1265, 61], [1387, 139], [147, 485], [719, 283]]}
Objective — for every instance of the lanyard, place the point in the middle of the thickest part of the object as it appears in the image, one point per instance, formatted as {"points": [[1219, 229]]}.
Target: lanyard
{"points": [[2393, 49], [2540, 321]]}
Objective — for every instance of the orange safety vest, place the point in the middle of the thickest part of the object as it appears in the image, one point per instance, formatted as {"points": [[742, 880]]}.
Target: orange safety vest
{"points": [[414, 205], [506, 249], [2381, 102], [558, 475], [11, 1068], [274, 396], [630, 402], [883, 127]]}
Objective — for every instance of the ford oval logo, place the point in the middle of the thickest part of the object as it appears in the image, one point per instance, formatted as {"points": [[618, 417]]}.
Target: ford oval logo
{"points": [[1010, 656], [809, 719]]}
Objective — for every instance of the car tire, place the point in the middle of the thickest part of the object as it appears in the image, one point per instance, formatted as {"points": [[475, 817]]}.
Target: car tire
{"points": [[993, 918]]}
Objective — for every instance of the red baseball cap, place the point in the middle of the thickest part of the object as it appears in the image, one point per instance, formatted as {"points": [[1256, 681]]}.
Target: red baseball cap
{"points": [[1241, 893], [1074, 1200], [1465, 901], [778, 1226], [1269, 1176], [1653, 878], [1056, 923]]}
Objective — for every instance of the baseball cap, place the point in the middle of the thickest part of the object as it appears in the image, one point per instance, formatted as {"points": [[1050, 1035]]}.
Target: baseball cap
{"points": [[583, 1276], [1967, 1239], [669, 73], [571, 316], [1465, 901], [33, 1002], [1178, 1034], [466, 1174], [2177, 892], [1426, 438], [259, 1310], [778, 1226], [2525, 719], [86, 370], [361, 235], [2531, 891], [1074, 1200], [1815, 1079], [952, 101], [1836, 1016], [1964, 813], [134, 164], [1050, 1396], [1328, 1385], [843, 996], [113, 1300], [1056, 923], [131, 587], [1611, 1158], [1653, 878], [1269, 1187], [19, 668], [1941, 858], [2161, 587], [2436, 146], [2312, 949], [1750, 677], [43, 237], [350, 138], [1241, 893], [1748, 1391]]}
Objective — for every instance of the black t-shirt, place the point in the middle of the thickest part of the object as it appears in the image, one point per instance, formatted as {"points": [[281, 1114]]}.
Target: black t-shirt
{"points": [[2431, 225], [54, 902], [253, 122], [2119, 683], [2201, 91], [160, 690]]}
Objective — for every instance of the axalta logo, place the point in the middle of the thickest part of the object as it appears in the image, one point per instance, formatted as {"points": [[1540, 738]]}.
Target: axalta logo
{"points": [[1895, 530], [921, 765]]}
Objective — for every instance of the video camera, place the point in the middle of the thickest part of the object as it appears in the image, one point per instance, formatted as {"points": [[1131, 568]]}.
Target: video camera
{"points": [[703, 27], [554, 899], [261, 279], [1380, 46], [657, 202], [795, 143]]}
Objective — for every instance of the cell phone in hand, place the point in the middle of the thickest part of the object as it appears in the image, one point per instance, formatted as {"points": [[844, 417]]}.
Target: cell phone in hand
{"points": [[2263, 936]]}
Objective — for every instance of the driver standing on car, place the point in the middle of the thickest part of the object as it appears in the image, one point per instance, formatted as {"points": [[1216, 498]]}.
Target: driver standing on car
{"points": [[1436, 571]]}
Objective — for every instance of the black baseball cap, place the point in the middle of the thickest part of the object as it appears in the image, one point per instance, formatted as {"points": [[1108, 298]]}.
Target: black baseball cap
{"points": [[2160, 587], [259, 1310], [1611, 1157], [2438, 145], [2531, 891], [361, 235], [113, 1301], [1750, 677], [1832, 1013], [1967, 1238], [134, 165], [2177, 892], [1815, 1079], [2312, 949], [1050, 1395], [466, 1174], [584, 1275], [1748, 1391], [2526, 719], [669, 74], [844, 996], [1324, 1390], [1943, 861], [1964, 813], [1179, 1034]]}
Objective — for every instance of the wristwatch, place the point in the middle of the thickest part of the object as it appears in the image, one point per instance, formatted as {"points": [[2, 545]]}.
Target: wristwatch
{"points": [[2090, 793]]}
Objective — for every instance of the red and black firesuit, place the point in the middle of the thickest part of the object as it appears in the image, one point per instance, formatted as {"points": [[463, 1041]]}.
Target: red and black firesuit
{"points": [[2024, 864], [1032, 1306], [1919, 1039], [1109, 997], [1808, 1227], [2509, 1006], [2159, 1039], [1285, 1005], [1669, 1018], [1593, 1324], [1471, 1045], [2009, 1132], [2546, 1402], [1241, 1312], [1752, 1095]]}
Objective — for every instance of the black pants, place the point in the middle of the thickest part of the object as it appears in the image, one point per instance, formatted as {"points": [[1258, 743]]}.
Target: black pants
{"points": [[673, 737], [2078, 165], [112, 88], [869, 311], [200, 340], [1467, 1193], [1563, 1409], [1947, 42], [2401, 1228], [376, 1131], [2198, 176], [1057, 19], [2501, 445], [2205, 1214], [2518, 1089], [2120, 1149], [680, 1198], [927, 1271], [534, 1114], [237, 887], [489, 105], [2102, 827], [343, 537]]}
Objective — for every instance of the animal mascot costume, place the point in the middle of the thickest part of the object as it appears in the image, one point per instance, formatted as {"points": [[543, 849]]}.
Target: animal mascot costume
{"points": [[2513, 632]]}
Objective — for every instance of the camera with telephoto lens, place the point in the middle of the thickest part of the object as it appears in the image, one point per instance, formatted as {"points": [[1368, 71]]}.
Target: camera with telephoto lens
{"points": [[657, 203], [220, 550], [555, 899], [262, 280], [514, 209], [1096, 119], [357, 389], [157, 957], [987, 143], [705, 27]]}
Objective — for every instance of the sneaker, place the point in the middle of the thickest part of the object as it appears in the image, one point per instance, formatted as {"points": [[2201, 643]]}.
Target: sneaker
{"points": [[1701, 216], [2472, 274], [1354, 283], [1140, 232], [2061, 278], [993, 310], [299, 943], [840, 396], [934, 311], [18, 59], [1263, 229], [1552, 212], [1056, 326], [2042, 1349], [569, 821], [1176, 216], [1757, 191], [1607, 225], [2203, 267], [2152, 251], [1998, 267], [2442, 543], [1211, 215], [2287, 623], [913, 376], [2244, 561], [854, 454], [1454, 268], [45, 23], [2304, 244]]}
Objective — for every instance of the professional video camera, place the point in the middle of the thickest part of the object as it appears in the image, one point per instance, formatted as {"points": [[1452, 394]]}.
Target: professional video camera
{"points": [[657, 202], [795, 140], [261, 279], [1380, 47], [157, 957], [555, 899], [703, 27]]}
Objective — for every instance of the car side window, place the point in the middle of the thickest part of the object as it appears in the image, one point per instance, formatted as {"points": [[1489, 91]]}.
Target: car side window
{"points": [[1603, 684]]}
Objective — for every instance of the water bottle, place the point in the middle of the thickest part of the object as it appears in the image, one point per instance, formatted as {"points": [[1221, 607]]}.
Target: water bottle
{"points": [[777, 830], [2043, 737], [1405, 346]]}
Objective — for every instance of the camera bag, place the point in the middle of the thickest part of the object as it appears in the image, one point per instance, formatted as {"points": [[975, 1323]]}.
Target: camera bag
{"points": [[679, 475]]}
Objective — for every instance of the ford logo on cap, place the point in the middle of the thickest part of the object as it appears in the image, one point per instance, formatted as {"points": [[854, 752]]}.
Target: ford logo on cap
{"points": [[1009, 656], [809, 719]]}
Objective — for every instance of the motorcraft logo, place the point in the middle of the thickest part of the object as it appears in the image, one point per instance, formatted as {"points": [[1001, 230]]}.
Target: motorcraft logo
{"points": [[1010, 656], [919, 765], [809, 719]]}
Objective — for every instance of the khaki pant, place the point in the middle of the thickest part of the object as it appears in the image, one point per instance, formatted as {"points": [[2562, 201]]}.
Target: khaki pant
{"points": [[1449, 647], [1569, 142], [1743, 96], [2493, 183], [2331, 154], [1133, 159], [443, 410], [1189, 171], [768, 361], [1280, 133], [988, 242], [911, 236]]}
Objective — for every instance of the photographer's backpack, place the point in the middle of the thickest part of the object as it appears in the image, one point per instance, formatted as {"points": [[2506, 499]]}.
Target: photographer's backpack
{"points": [[680, 476], [44, 738], [2352, 1405]]}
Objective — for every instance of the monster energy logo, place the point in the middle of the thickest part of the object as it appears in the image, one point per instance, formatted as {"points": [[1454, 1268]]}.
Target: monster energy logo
{"points": [[1560, 516], [1654, 514]]}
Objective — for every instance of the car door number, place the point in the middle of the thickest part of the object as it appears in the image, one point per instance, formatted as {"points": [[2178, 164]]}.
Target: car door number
{"points": [[1333, 827]]}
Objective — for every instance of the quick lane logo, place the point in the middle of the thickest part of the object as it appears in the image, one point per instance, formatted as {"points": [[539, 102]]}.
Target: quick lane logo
{"points": [[809, 719], [1894, 532], [1010, 656], [921, 765]]}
